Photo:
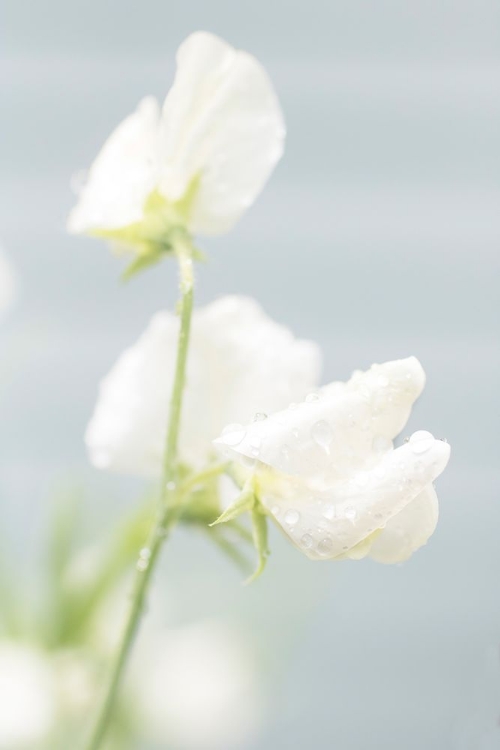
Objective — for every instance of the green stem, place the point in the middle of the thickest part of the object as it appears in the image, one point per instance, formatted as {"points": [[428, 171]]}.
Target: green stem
{"points": [[166, 517]]}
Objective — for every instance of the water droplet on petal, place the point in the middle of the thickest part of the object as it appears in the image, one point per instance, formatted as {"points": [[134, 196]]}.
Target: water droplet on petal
{"points": [[350, 514], [322, 434], [421, 441], [329, 512], [233, 434], [255, 443], [307, 541], [292, 517], [260, 417], [325, 546], [311, 397], [285, 453]]}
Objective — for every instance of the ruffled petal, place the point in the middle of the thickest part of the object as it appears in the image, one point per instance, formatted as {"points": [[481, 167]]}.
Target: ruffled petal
{"points": [[344, 428], [222, 126], [409, 530], [123, 174], [328, 524]]}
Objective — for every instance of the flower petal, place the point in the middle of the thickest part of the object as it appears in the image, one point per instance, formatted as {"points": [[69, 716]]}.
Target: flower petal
{"points": [[221, 124], [346, 427], [240, 361], [327, 524], [128, 427], [123, 174], [409, 530]]}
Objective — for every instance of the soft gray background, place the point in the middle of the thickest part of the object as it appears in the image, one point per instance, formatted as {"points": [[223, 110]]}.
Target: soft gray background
{"points": [[378, 235]]}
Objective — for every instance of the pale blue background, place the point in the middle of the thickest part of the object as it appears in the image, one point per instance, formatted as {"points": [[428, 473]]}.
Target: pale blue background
{"points": [[378, 235]]}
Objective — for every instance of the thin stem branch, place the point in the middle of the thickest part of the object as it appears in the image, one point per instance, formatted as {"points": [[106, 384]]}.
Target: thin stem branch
{"points": [[167, 513]]}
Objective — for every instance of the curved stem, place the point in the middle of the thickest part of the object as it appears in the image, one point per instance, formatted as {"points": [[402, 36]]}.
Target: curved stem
{"points": [[167, 513]]}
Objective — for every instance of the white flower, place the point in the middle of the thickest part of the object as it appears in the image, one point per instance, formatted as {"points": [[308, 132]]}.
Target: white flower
{"points": [[207, 153], [239, 362], [329, 475], [197, 688], [27, 696], [7, 284]]}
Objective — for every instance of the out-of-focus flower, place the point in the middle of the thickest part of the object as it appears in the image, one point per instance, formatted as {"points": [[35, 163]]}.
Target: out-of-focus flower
{"points": [[327, 471], [28, 702], [197, 688], [7, 284], [240, 362], [199, 163]]}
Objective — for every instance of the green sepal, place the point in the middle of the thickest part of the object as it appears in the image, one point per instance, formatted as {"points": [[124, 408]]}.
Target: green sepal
{"points": [[141, 262], [259, 530], [245, 501]]}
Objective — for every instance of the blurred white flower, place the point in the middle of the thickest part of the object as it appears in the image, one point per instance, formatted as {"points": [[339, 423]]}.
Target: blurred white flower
{"points": [[329, 475], [197, 688], [207, 153], [240, 362], [7, 284], [28, 703]]}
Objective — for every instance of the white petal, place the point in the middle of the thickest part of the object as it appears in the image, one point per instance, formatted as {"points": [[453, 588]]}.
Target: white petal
{"points": [[123, 174], [221, 123], [327, 524], [409, 530], [240, 362], [27, 696], [205, 670], [348, 427], [128, 427]]}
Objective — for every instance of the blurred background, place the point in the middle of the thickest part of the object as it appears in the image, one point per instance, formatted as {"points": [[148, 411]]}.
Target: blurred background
{"points": [[378, 235]]}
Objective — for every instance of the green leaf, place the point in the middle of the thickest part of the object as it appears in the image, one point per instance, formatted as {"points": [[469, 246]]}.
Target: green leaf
{"points": [[245, 501], [259, 527]]}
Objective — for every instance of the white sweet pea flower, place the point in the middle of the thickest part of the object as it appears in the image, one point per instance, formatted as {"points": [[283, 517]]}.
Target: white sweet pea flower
{"points": [[198, 163], [196, 687], [327, 471], [239, 362], [28, 703]]}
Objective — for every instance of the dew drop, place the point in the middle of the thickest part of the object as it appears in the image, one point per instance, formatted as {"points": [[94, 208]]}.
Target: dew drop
{"points": [[145, 553], [233, 434], [307, 541], [311, 397], [260, 417], [421, 441], [285, 453], [325, 546], [322, 434], [255, 443], [292, 517], [350, 514]]}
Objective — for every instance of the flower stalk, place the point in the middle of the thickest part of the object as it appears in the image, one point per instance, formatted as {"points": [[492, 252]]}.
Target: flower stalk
{"points": [[168, 510]]}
